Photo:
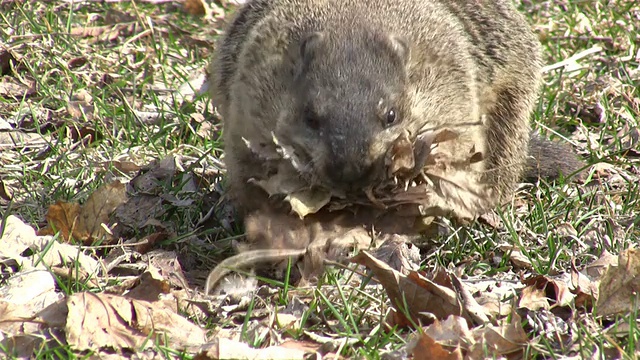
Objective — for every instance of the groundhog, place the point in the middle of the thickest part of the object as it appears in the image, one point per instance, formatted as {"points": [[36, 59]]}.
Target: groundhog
{"points": [[338, 81]]}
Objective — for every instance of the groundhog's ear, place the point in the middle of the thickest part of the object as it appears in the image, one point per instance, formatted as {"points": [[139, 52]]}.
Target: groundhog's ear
{"points": [[400, 45], [310, 43]]}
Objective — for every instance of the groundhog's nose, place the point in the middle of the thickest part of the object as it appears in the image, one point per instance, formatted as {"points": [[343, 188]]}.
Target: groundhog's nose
{"points": [[348, 174]]}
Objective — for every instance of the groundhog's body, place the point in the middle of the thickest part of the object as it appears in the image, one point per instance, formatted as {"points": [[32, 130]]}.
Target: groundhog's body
{"points": [[339, 80]]}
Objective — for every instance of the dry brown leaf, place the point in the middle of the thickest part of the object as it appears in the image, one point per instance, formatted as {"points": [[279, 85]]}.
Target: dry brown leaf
{"points": [[491, 219], [543, 292], [122, 165], [306, 346], [62, 217], [413, 295], [151, 285], [302, 199], [400, 158], [452, 332], [7, 60], [585, 285], [195, 7], [151, 178], [287, 321], [168, 267], [516, 256], [41, 326], [584, 289], [598, 268], [18, 237], [221, 348], [81, 111], [508, 340], [425, 348], [619, 285], [19, 139], [6, 192], [101, 320], [115, 16], [397, 252], [308, 202], [21, 346], [7, 124], [492, 293], [12, 88], [77, 62], [149, 242], [105, 33], [195, 85], [78, 275], [23, 296], [471, 307], [86, 222], [139, 211], [566, 230]]}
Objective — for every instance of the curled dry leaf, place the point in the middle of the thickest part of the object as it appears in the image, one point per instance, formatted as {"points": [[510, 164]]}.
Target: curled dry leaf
{"points": [[151, 285], [542, 292], [420, 298], [585, 285], [598, 268], [87, 222]]}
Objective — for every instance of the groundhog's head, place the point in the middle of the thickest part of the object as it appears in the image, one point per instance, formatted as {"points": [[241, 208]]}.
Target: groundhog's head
{"points": [[349, 94]]}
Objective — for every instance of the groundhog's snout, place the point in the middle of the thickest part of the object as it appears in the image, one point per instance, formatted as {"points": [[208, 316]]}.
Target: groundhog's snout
{"points": [[349, 167], [348, 164], [350, 173]]}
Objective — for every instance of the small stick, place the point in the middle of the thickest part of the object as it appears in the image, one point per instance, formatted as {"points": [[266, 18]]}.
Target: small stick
{"points": [[572, 59], [245, 259]]}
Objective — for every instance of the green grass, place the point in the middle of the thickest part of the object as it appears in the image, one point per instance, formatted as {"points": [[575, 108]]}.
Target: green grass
{"points": [[137, 72]]}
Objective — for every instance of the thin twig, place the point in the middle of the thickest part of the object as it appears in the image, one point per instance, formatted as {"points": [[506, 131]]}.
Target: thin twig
{"points": [[572, 59]]}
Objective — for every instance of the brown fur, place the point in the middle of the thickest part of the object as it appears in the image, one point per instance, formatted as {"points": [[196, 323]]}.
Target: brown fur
{"points": [[322, 75]]}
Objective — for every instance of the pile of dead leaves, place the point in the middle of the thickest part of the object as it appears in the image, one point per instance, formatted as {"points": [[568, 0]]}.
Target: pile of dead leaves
{"points": [[420, 182]]}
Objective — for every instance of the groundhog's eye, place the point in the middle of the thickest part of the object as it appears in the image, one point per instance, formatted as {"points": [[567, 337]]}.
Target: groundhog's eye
{"points": [[391, 117]]}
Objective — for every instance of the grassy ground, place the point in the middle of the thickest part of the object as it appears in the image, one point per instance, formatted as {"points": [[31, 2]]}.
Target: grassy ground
{"points": [[88, 100]]}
